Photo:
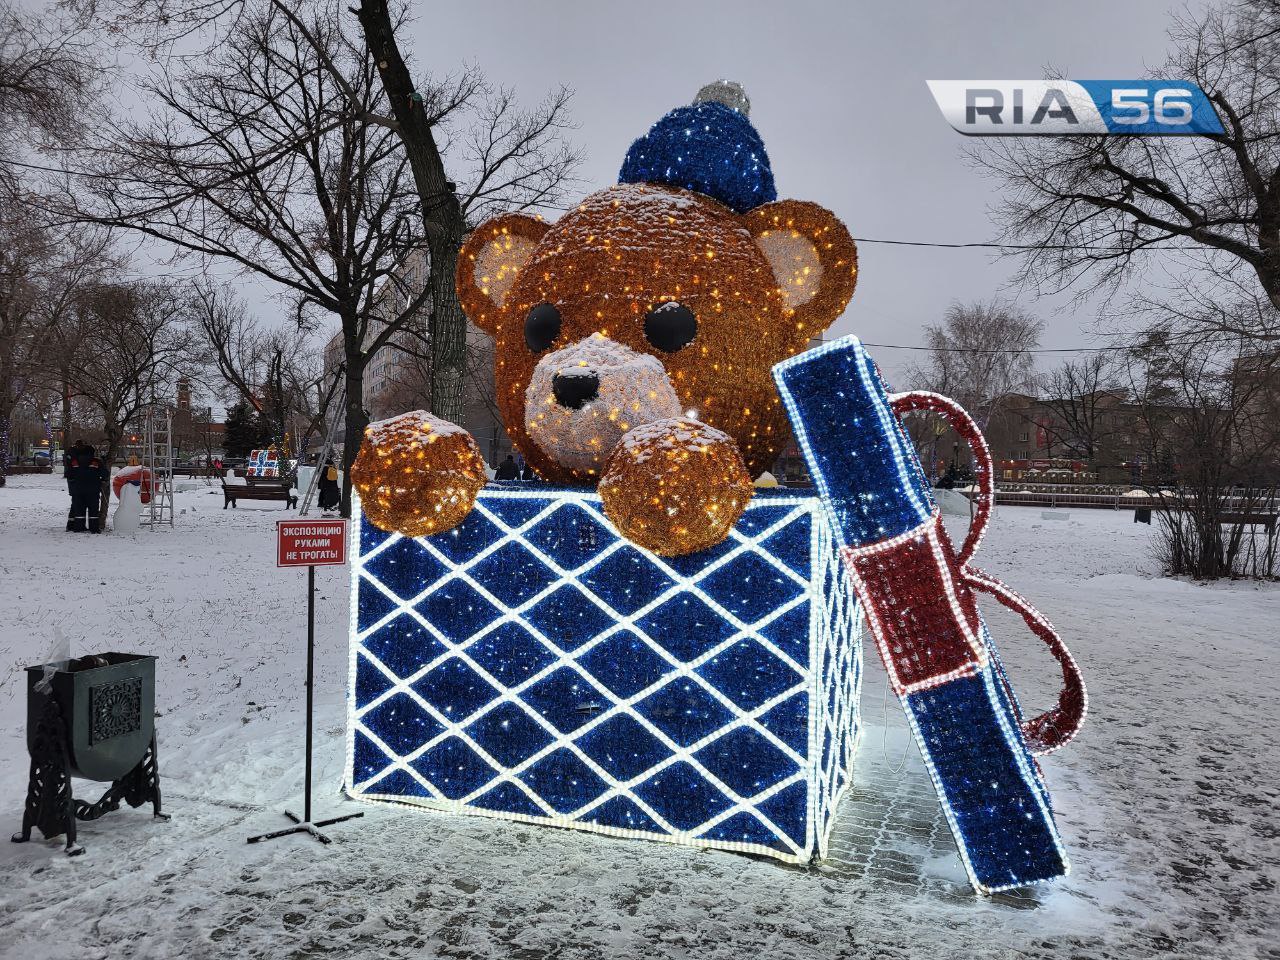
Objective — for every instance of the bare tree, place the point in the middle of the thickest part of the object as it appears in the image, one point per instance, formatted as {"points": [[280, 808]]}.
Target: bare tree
{"points": [[258, 158], [274, 371], [980, 354], [470, 149], [42, 271], [516, 159], [140, 348], [81, 258], [48, 77], [22, 250], [410, 383], [1211, 421], [1082, 396], [1086, 209]]}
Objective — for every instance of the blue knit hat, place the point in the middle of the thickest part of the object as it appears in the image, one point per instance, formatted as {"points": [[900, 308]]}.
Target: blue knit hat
{"points": [[709, 147]]}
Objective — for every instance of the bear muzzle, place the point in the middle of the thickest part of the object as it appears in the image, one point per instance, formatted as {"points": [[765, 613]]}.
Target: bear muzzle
{"points": [[584, 397]]}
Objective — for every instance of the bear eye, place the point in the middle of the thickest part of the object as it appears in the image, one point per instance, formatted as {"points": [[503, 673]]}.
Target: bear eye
{"points": [[541, 327], [670, 326]]}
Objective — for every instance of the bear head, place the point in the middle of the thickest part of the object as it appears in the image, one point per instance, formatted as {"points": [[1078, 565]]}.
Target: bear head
{"points": [[651, 300]]}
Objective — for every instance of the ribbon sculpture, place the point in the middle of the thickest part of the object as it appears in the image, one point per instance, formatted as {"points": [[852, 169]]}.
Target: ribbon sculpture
{"points": [[918, 595]]}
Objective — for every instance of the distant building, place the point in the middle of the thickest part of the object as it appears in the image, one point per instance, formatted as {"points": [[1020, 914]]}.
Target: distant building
{"points": [[1101, 437], [195, 432]]}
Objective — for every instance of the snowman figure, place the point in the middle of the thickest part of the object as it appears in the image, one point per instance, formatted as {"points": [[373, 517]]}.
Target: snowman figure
{"points": [[128, 515]]}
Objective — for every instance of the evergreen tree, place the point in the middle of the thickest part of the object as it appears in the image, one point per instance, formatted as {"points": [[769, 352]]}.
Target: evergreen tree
{"points": [[242, 431], [264, 434]]}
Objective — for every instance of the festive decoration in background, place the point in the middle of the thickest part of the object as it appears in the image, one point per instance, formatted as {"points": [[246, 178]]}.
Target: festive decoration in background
{"points": [[917, 592], [263, 463], [135, 476], [531, 664], [417, 474], [658, 301]]}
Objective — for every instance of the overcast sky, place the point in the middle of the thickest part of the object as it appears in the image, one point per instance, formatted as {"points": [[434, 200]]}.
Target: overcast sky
{"points": [[838, 93]]}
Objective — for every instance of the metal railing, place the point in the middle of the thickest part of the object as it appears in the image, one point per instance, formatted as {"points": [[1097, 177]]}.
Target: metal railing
{"points": [[1109, 501], [1092, 501]]}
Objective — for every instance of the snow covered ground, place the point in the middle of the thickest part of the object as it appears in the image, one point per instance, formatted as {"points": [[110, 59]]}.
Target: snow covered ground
{"points": [[1168, 801]]}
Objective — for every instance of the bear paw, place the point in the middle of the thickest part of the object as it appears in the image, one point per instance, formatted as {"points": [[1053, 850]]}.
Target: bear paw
{"points": [[675, 486], [417, 474]]}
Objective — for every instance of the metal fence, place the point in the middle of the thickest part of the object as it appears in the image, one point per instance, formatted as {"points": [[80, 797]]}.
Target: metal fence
{"points": [[1110, 501], [1092, 501]]}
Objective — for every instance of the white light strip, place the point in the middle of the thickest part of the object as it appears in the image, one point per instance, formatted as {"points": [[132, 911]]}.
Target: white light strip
{"points": [[890, 429], [1020, 604], [888, 425]]}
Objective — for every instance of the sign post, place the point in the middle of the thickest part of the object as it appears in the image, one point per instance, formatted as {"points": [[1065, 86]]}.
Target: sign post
{"points": [[309, 543]]}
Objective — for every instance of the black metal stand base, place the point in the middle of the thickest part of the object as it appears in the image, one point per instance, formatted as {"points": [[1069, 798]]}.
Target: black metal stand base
{"points": [[305, 824], [304, 827], [53, 810]]}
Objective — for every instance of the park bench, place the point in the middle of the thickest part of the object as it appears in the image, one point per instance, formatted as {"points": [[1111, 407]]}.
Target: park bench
{"points": [[258, 488], [1265, 520]]}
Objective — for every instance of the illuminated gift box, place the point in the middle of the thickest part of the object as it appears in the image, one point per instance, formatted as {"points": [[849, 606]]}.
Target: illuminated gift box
{"points": [[532, 665]]}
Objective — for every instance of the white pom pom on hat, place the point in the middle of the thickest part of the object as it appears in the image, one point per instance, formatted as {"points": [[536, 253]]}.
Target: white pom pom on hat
{"points": [[729, 93]]}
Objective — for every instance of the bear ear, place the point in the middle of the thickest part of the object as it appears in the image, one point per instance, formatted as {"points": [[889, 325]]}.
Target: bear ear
{"points": [[489, 262], [813, 258]]}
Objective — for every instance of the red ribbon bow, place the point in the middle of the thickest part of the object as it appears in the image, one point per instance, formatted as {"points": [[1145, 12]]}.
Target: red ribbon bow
{"points": [[918, 594]]}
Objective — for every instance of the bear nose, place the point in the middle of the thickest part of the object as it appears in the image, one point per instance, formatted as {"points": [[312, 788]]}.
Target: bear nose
{"points": [[575, 389]]}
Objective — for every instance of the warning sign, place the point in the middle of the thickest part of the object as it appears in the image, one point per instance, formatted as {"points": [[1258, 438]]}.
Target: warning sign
{"points": [[310, 543]]}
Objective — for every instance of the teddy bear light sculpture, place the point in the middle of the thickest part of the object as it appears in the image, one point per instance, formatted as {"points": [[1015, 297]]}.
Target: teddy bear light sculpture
{"points": [[697, 681]]}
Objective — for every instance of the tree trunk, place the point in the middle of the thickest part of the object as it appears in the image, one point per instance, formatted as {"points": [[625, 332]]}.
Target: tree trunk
{"points": [[4, 447], [1269, 242], [9, 394], [357, 420], [441, 211], [448, 333], [65, 374], [112, 434]]}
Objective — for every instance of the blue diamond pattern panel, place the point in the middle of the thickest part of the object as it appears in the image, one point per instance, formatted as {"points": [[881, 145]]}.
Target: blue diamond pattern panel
{"points": [[533, 665]]}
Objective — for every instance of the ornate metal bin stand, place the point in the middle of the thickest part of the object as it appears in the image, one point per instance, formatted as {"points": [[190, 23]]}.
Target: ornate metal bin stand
{"points": [[93, 718]]}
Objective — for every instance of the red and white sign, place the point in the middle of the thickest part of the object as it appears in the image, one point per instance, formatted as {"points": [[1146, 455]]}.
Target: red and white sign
{"points": [[310, 543]]}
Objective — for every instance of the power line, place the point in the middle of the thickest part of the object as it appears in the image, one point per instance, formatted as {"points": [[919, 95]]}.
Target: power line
{"points": [[991, 245], [975, 245], [933, 244], [982, 350]]}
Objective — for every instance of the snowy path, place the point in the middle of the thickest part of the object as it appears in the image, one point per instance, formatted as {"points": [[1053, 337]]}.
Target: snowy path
{"points": [[1168, 801]]}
